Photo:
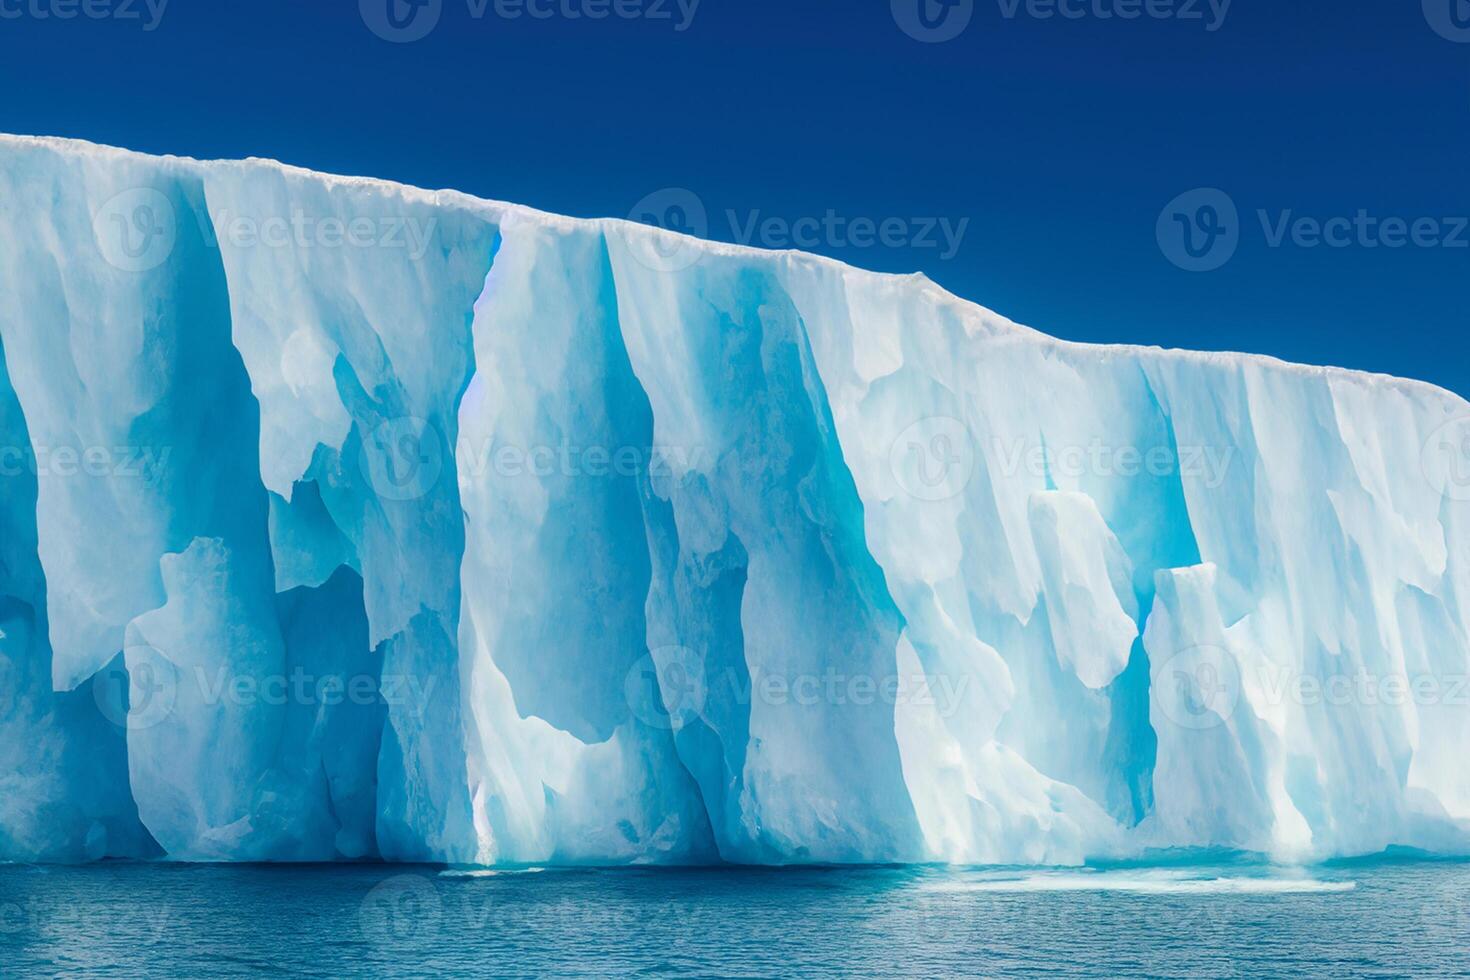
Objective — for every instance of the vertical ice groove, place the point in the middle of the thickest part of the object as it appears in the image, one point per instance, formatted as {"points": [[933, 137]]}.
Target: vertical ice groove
{"points": [[64, 792], [151, 407], [720, 350], [113, 334], [356, 331], [955, 546], [569, 760], [1091, 607]]}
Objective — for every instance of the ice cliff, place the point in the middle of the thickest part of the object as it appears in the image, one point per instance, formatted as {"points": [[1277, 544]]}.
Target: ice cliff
{"points": [[340, 519]]}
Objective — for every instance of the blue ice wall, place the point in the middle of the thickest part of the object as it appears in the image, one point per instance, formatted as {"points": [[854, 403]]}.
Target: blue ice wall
{"points": [[343, 520]]}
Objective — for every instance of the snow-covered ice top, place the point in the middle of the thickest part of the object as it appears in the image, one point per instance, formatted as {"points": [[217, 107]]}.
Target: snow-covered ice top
{"points": [[343, 519]]}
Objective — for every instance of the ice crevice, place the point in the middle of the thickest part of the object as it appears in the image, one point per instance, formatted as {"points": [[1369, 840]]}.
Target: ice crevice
{"points": [[438, 529]]}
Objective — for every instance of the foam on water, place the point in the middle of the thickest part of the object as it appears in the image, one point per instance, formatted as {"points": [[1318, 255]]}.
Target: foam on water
{"points": [[1147, 882]]}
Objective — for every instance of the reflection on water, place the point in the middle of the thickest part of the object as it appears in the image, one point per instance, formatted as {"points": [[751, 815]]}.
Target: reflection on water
{"points": [[1228, 920]]}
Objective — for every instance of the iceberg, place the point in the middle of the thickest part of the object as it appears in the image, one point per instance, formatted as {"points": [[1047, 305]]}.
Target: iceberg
{"points": [[341, 520]]}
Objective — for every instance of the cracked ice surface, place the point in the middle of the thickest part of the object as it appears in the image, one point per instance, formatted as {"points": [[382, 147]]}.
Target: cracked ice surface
{"points": [[340, 519]]}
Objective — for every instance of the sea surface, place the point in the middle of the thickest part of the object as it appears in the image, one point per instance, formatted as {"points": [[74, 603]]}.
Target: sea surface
{"points": [[1389, 919]]}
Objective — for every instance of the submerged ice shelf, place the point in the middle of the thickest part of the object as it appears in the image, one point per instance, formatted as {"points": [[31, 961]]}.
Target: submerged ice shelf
{"points": [[340, 519]]}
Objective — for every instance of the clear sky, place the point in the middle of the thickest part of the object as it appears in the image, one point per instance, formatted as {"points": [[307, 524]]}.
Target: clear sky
{"points": [[1026, 154]]}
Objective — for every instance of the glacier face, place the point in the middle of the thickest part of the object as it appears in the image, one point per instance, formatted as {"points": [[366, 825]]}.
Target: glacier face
{"points": [[344, 520]]}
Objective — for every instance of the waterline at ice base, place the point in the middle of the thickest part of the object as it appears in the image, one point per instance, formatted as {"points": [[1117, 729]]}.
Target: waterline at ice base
{"points": [[341, 520]]}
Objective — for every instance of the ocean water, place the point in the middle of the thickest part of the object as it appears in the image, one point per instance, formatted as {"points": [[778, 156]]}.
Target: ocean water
{"points": [[128, 920]]}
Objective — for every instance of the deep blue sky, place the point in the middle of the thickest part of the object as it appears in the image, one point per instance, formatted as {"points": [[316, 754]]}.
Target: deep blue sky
{"points": [[1060, 140]]}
